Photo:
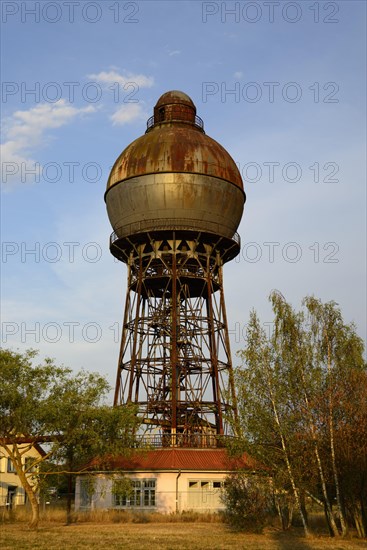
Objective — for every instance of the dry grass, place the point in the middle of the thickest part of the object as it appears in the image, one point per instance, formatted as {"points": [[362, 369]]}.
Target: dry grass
{"points": [[58, 515], [165, 536], [138, 531]]}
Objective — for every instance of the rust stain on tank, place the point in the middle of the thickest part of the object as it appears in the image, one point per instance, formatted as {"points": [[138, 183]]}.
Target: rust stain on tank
{"points": [[175, 142]]}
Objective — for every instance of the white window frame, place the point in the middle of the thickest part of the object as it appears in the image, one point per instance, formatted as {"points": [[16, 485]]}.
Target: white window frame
{"points": [[143, 494]]}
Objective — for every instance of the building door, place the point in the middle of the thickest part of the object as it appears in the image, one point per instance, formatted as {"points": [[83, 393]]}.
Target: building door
{"points": [[10, 498]]}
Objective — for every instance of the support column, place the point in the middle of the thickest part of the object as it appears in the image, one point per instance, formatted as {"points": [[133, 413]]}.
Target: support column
{"points": [[174, 355], [213, 353]]}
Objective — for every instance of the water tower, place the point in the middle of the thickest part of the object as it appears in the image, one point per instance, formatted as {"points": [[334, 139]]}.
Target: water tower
{"points": [[175, 199]]}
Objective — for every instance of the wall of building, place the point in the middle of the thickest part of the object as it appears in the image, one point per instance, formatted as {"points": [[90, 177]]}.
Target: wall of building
{"points": [[163, 492], [11, 490]]}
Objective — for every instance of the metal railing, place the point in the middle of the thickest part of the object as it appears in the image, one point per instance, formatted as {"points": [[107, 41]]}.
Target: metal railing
{"points": [[170, 224], [150, 122], [184, 441], [198, 122]]}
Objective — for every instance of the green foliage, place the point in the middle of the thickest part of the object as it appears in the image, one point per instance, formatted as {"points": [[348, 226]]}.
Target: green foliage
{"points": [[122, 486], [248, 501], [52, 482], [89, 485], [302, 394], [64, 411]]}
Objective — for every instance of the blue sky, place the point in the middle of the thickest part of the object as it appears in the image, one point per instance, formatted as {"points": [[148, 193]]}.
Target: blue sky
{"points": [[281, 85]]}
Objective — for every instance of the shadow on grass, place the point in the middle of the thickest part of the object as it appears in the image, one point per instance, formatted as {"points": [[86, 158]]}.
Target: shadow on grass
{"points": [[289, 540]]}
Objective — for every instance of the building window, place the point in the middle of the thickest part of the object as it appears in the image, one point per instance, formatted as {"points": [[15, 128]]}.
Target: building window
{"points": [[205, 485], [141, 493], [87, 488], [149, 492], [28, 464], [11, 469], [205, 494]]}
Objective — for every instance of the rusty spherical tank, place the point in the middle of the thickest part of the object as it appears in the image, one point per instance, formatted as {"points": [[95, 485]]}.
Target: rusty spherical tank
{"points": [[175, 176]]}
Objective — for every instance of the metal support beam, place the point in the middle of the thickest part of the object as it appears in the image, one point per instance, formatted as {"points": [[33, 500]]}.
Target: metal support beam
{"points": [[174, 359]]}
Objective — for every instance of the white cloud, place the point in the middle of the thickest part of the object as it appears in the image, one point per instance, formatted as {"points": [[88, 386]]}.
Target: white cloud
{"points": [[132, 110], [26, 131], [112, 76], [127, 113], [174, 52], [15, 165], [31, 124], [238, 74]]}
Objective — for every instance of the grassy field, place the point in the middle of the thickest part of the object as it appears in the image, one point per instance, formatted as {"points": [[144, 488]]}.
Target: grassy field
{"points": [[165, 536]]}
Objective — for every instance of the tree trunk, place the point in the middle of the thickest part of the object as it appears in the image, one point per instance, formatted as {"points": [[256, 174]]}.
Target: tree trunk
{"points": [[286, 457], [70, 466], [329, 518], [328, 510], [303, 505], [33, 501], [282, 511], [69, 500], [343, 523], [358, 522], [35, 510], [294, 488], [285, 511], [16, 459], [279, 510], [363, 516], [329, 515]]}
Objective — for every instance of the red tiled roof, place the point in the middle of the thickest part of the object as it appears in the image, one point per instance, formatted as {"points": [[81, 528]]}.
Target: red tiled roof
{"points": [[180, 459]]}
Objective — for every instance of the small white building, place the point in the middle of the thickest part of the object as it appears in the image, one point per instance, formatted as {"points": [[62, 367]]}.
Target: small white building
{"points": [[165, 480]]}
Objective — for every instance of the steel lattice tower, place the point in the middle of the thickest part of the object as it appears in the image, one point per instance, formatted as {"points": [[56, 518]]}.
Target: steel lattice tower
{"points": [[175, 199]]}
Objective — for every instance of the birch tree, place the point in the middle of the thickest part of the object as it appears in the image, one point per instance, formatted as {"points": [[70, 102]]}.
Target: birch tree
{"points": [[291, 411], [262, 397], [326, 331], [292, 345]]}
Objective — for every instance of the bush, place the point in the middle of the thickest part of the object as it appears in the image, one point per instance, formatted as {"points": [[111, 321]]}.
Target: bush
{"points": [[248, 502]]}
